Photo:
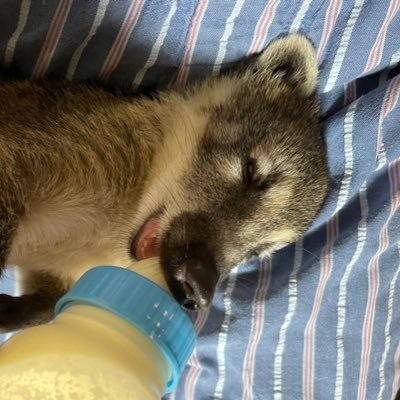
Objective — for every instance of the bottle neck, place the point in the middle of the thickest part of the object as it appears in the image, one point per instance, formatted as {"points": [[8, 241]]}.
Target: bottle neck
{"points": [[150, 268]]}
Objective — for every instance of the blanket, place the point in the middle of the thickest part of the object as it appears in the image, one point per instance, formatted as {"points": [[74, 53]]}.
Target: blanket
{"points": [[320, 319]]}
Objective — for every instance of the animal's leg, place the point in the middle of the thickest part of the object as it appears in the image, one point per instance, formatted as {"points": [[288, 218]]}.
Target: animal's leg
{"points": [[36, 306], [9, 218]]}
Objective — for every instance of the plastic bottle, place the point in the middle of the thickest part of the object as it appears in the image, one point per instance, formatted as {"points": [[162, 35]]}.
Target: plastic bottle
{"points": [[117, 335]]}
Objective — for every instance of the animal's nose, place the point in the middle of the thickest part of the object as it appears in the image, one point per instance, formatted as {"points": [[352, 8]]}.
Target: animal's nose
{"points": [[197, 283]]}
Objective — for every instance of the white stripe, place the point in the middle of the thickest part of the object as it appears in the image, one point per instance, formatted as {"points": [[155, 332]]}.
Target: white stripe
{"points": [[348, 155], [388, 335], [382, 160], [23, 17], [230, 22], [256, 330], [305, 5], [338, 61], [101, 9], [396, 363], [155, 50], [223, 334], [341, 317], [292, 304]]}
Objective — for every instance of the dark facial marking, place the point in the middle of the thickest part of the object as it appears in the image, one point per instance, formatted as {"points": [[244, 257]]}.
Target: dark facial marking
{"points": [[254, 180]]}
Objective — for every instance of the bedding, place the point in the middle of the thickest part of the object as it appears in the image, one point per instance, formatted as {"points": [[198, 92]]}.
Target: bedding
{"points": [[320, 319]]}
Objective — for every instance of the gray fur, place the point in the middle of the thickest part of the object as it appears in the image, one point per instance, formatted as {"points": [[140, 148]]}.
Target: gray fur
{"points": [[235, 164]]}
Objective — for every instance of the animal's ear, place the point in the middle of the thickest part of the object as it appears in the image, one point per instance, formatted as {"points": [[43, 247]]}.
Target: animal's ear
{"points": [[291, 61]]}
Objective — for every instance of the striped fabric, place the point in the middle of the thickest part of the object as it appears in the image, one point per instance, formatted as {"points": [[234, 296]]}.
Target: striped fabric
{"points": [[320, 320]]}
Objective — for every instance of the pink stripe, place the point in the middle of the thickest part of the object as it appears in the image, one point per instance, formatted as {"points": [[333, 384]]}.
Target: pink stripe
{"points": [[194, 373], [192, 37], [192, 377], [349, 93], [330, 21], [200, 321], [392, 93], [118, 48], [373, 281], [262, 27], [120, 42], [265, 274], [389, 102], [195, 370], [256, 330], [52, 38], [376, 52], [309, 333]]}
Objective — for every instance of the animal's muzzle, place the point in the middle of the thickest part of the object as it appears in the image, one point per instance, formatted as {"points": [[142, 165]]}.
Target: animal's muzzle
{"points": [[197, 281], [188, 261]]}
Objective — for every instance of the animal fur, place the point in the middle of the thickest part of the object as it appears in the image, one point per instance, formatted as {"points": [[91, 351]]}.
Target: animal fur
{"points": [[234, 166]]}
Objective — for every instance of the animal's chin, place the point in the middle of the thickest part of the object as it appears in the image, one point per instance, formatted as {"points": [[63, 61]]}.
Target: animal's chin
{"points": [[145, 244]]}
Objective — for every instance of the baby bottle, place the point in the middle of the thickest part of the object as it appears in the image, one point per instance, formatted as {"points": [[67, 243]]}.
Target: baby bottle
{"points": [[117, 335]]}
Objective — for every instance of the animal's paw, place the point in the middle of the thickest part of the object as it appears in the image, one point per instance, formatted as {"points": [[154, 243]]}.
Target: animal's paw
{"points": [[24, 311], [11, 312]]}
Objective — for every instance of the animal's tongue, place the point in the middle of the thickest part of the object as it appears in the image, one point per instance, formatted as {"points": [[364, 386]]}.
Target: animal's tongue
{"points": [[146, 244]]}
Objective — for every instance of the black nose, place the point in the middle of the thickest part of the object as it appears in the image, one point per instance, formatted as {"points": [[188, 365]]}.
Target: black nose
{"points": [[197, 283], [188, 258]]}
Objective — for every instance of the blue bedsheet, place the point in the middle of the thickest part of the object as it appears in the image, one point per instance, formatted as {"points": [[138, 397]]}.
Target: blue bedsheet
{"points": [[321, 319]]}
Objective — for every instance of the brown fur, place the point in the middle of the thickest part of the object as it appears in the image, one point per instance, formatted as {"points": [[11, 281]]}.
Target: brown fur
{"points": [[81, 170]]}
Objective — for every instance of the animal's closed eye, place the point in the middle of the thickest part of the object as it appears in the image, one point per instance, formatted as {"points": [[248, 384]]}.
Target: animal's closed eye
{"points": [[249, 171], [253, 179]]}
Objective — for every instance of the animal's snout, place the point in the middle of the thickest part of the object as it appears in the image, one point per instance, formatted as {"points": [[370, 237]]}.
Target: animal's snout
{"points": [[188, 258], [197, 282]]}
